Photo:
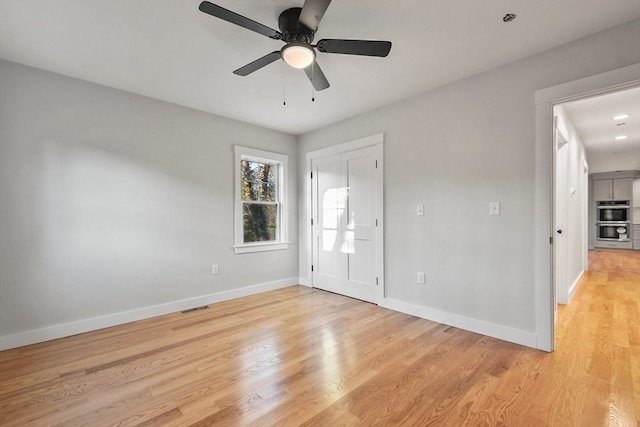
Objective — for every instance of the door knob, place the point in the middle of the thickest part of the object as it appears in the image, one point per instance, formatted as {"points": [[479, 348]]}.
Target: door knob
{"points": [[559, 231]]}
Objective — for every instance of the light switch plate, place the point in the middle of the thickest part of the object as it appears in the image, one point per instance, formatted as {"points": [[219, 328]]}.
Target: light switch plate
{"points": [[494, 208], [420, 210]]}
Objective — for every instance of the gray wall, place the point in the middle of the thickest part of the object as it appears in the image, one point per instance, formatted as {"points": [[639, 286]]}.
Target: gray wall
{"points": [[112, 202], [615, 161], [455, 149]]}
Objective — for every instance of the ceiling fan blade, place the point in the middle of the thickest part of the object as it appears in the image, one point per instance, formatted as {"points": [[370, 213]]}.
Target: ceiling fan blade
{"points": [[258, 63], [234, 18], [316, 76], [312, 13], [355, 47]]}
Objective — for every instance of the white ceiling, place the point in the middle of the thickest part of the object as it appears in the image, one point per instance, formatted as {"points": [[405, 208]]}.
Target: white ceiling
{"points": [[593, 119], [169, 50]]}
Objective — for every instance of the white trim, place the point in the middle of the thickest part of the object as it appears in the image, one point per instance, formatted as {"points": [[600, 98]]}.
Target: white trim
{"points": [[261, 247], [377, 141], [86, 325], [308, 285], [574, 287], [545, 99], [561, 138], [306, 280], [518, 336], [380, 216], [367, 141], [242, 153], [599, 84]]}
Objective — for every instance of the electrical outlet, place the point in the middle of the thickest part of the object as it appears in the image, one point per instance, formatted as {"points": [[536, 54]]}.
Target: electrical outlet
{"points": [[214, 269], [421, 277]]}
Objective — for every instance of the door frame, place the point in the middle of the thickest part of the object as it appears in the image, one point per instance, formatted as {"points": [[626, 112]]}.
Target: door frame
{"points": [[376, 141], [545, 99]]}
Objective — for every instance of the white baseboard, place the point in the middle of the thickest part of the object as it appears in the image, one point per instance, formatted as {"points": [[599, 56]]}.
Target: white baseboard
{"points": [[574, 287], [494, 330], [304, 281], [73, 328]]}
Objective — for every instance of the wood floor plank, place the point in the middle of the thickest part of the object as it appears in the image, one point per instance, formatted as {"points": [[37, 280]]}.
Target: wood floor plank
{"points": [[301, 356]]}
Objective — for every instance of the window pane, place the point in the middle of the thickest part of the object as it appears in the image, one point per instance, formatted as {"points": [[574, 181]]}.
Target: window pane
{"points": [[248, 175], [259, 222], [269, 179], [259, 181]]}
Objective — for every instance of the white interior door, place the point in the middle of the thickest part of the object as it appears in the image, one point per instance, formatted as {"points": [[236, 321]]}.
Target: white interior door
{"points": [[344, 192], [561, 252], [327, 211]]}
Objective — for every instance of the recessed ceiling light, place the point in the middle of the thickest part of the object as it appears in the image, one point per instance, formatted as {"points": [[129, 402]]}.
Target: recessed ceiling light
{"points": [[620, 117], [621, 137]]}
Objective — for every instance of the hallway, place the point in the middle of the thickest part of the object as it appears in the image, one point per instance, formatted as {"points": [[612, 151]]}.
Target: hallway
{"points": [[598, 344]]}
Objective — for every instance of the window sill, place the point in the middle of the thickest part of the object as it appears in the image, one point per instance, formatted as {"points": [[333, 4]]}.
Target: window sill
{"points": [[261, 247]]}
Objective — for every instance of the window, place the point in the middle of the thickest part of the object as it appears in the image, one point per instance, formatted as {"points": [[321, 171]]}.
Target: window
{"points": [[260, 199]]}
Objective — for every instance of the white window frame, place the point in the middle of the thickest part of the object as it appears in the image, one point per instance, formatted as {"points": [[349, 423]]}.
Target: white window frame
{"points": [[282, 239]]}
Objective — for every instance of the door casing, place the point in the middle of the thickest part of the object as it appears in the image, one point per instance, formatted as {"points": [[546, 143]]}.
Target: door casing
{"points": [[545, 99]]}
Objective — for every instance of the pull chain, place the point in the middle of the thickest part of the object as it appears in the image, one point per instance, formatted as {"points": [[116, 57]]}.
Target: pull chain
{"points": [[284, 87], [313, 73]]}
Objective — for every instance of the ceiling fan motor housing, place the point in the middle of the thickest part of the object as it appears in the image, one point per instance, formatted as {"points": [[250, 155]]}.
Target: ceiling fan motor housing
{"points": [[291, 30]]}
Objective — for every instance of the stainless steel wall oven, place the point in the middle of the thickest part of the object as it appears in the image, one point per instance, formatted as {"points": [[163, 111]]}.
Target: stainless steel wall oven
{"points": [[613, 211], [618, 232], [614, 221]]}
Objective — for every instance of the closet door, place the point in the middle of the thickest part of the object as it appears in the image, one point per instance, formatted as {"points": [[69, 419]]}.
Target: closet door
{"points": [[344, 223]]}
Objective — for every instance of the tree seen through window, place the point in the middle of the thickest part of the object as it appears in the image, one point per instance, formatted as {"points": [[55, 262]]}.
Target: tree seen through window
{"points": [[259, 191]]}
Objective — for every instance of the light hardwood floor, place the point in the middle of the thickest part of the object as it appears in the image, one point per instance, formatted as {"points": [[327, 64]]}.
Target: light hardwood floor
{"points": [[299, 356]]}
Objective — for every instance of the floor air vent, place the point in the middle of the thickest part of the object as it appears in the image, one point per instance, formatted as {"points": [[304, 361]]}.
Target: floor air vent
{"points": [[191, 310]]}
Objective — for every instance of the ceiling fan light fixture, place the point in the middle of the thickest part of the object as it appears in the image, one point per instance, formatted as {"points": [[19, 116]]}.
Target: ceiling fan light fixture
{"points": [[298, 55]]}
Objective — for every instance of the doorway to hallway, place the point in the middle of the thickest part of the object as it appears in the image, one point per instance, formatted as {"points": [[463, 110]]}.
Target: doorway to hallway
{"points": [[544, 225]]}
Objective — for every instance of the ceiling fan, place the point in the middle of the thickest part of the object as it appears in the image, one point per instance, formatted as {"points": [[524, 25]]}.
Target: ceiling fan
{"points": [[297, 29]]}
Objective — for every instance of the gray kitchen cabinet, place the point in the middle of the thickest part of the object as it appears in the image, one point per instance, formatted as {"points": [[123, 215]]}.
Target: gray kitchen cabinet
{"points": [[602, 189], [622, 189], [636, 193], [612, 189], [614, 244]]}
